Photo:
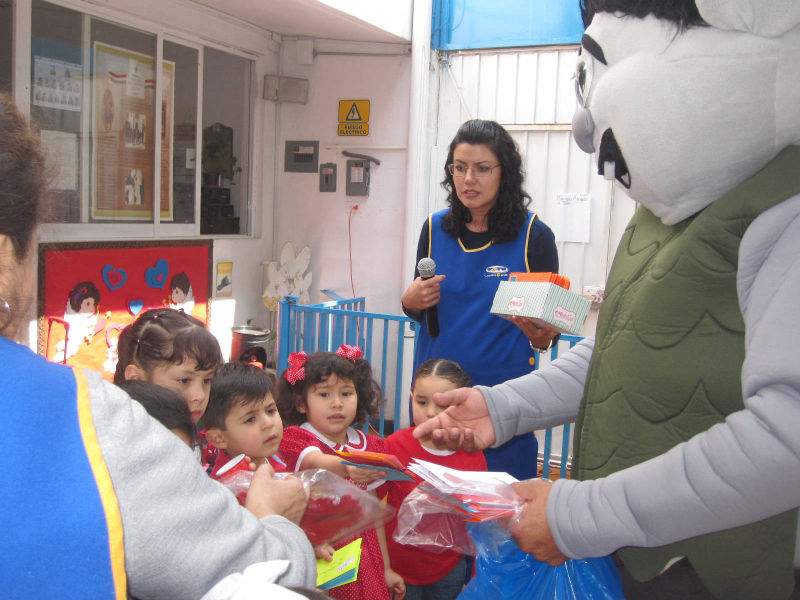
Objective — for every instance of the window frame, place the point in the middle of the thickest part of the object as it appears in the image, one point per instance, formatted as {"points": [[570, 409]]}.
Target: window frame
{"points": [[157, 229]]}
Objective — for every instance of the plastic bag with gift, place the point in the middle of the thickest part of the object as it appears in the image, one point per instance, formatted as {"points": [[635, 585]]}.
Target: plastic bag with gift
{"points": [[473, 513], [336, 508], [502, 570]]}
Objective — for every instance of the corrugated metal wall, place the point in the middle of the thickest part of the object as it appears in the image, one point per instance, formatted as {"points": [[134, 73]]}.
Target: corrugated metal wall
{"points": [[530, 92]]}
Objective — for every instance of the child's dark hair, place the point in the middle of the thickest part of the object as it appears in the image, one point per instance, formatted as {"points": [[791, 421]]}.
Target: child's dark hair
{"points": [[446, 369], [180, 281], [166, 335], [162, 404], [320, 366], [234, 383], [85, 289]]}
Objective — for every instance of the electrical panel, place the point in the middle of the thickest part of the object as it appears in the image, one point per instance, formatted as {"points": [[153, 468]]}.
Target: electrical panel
{"points": [[327, 177], [357, 178], [301, 157]]}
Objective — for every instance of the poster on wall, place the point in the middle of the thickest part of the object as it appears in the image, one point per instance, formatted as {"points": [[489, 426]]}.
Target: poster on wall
{"points": [[57, 84], [88, 292], [123, 119]]}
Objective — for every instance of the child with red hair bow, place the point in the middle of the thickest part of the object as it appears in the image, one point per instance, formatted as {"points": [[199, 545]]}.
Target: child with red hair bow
{"points": [[322, 398]]}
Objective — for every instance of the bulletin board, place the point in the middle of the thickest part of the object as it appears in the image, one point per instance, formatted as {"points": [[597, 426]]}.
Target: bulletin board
{"points": [[88, 292]]}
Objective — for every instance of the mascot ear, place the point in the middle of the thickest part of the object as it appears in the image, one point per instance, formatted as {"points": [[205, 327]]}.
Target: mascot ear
{"points": [[766, 18]]}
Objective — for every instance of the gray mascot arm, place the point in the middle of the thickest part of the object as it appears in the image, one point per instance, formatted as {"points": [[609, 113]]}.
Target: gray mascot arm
{"points": [[545, 398]]}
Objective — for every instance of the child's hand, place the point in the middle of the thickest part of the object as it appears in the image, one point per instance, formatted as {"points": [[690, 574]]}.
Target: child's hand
{"points": [[395, 584], [360, 475], [268, 496], [324, 551]]}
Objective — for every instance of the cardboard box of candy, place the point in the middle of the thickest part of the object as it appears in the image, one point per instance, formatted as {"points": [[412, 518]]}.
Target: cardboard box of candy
{"points": [[541, 298]]}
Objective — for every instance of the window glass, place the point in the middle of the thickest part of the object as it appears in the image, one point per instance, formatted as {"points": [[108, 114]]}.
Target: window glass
{"points": [[179, 116], [93, 95], [57, 102], [227, 108], [5, 46]]}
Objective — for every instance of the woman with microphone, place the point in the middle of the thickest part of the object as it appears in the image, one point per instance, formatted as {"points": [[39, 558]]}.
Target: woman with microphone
{"points": [[486, 233]]}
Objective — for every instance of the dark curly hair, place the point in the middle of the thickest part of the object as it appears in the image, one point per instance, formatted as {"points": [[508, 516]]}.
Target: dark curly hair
{"points": [[165, 335], [23, 177], [683, 13], [509, 213], [320, 366]]}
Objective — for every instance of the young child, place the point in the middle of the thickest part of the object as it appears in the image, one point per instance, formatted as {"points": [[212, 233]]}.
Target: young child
{"points": [[171, 349], [242, 418], [428, 575], [165, 406], [321, 398]]}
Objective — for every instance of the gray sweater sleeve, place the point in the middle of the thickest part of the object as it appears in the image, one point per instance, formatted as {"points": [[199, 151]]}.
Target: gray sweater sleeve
{"points": [[544, 398], [737, 472], [183, 532]]}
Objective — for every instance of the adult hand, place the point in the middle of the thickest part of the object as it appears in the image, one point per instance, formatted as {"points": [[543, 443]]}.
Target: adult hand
{"points": [[539, 337], [422, 293], [465, 424], [532, 534], [267, 496]]}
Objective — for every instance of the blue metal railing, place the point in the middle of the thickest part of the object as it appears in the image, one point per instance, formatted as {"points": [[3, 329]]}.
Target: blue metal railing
{"points": [[328, 325], [548, 433]]}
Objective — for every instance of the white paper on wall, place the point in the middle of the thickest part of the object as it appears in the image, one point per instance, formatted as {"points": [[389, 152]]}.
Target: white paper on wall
{"points": [[570, 221]]}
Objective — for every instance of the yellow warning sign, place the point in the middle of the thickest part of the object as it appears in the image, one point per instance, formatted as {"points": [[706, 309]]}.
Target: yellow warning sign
{"points": [[353, 111], [353, 129]]}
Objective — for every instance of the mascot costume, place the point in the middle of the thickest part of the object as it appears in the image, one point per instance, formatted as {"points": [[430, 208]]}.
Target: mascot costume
{"points": [[687, 401]]}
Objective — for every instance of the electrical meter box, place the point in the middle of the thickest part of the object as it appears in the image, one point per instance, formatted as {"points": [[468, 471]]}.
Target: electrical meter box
{"points": [[301, 157], [357, 178], [327, 177]]}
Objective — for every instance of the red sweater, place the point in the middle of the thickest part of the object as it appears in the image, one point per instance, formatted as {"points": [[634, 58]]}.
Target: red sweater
{"points": [[416, 565]]}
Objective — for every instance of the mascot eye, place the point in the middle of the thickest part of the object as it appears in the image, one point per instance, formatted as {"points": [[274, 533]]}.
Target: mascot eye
{"points": [[583, 80]]}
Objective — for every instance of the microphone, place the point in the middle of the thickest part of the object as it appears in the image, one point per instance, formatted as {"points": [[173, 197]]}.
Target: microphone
{"points": [[427, 269]]}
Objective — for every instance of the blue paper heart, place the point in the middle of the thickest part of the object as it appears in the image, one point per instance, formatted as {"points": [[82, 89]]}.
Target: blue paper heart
{"points": [[156, 276], [114, 278], [134, 306]]}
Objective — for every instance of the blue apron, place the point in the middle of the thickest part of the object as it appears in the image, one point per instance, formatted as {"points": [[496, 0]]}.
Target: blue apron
{"points": [[61, 528], [491, 349]]}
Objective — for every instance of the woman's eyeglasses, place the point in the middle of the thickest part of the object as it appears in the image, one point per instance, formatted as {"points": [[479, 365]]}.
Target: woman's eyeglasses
{"points": [[479, 171]]}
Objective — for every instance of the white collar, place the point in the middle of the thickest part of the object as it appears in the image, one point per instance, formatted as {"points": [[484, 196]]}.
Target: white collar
{"points": [[355, 439]]}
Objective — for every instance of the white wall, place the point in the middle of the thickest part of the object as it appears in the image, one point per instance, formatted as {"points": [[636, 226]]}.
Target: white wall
{"points": [[530, 92], [325, 221]]}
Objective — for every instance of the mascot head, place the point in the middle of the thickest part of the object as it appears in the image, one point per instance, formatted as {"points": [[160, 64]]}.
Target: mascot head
{"points": [[682, 100]]}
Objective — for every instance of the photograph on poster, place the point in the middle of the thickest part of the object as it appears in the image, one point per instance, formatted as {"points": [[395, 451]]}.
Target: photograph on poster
{"points": [[56, 84], [123, 115], [134, 131]]}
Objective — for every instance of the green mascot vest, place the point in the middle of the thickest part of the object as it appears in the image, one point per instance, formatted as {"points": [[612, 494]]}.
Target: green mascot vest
{"points": [[667, 365]]}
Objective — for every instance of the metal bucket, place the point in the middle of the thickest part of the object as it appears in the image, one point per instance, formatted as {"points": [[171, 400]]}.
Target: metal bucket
{"points": [[250, 344]]}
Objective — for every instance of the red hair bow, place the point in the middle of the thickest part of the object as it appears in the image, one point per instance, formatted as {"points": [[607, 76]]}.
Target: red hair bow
{"points": [[296, 370], [351, 352]]}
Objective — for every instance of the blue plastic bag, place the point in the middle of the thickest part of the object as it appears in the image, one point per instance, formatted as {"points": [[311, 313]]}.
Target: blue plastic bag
{"points": [[505, 571]]}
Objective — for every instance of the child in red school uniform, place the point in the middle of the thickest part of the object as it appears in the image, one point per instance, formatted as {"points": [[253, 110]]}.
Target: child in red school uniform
{"points": [[321, 398], [242, 418], [427, 575], [171, 349]]}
